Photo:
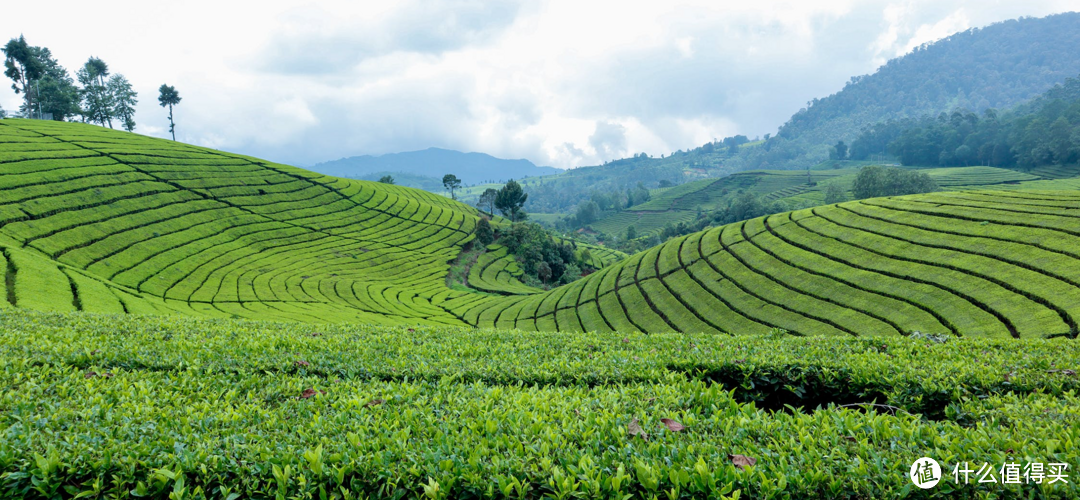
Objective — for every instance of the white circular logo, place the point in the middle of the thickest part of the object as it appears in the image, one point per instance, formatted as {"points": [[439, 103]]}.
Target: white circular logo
{"points": [[925, 473]]}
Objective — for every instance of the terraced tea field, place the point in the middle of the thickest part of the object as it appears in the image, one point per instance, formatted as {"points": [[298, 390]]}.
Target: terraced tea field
{"points": [[103, 221], [976, 263]]}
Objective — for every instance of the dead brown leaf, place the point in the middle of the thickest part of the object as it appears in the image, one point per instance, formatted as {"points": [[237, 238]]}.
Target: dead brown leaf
{"points": [[374, 402], [302, 363], [90, 374], [672, 425], [635, 429], [307, 393], [742, 461]]}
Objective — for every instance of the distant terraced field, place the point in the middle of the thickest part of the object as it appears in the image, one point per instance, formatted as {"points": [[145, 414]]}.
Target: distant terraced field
{"points": [[104, 221]]}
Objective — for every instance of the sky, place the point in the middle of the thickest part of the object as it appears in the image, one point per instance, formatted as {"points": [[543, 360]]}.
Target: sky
{"points": [[564, 83]]}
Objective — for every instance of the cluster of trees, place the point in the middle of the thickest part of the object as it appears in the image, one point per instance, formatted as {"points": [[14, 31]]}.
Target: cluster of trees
{"points": [[1043, 132], [993, 67], [99, 97], [509, 200], [874, 181], [542, 259]]}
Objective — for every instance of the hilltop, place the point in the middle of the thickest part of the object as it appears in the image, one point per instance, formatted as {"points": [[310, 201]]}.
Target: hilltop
{"points": [[429, 165]]}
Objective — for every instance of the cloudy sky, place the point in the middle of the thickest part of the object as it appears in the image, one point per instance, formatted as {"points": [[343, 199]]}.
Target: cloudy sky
{"points": [[559, 82]]}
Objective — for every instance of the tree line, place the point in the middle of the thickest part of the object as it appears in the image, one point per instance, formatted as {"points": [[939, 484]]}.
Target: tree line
{"points": [[1045, 131], [96, 95]]}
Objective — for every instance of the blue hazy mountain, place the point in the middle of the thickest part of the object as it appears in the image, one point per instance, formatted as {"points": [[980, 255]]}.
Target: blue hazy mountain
{"points": [[471, 168]]}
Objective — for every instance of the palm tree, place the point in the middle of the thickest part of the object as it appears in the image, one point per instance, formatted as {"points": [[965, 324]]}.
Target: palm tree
{"points": [[169, 97]]}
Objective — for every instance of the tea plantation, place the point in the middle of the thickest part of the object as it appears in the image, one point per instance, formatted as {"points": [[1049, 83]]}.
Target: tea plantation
{"points": [[178, 322], [973, 263], [104, 221], [122, 406]]}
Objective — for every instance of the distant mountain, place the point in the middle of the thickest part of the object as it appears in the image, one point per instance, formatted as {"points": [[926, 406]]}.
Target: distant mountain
{"points": [[471, 168], [997, 66]]}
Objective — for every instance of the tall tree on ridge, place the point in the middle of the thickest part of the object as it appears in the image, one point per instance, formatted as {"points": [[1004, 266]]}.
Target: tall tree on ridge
{"points": [[169, 97], [123, 99], [23, 68], [97, 103], [451, 182], [510, 199], [55, 92], [488, 199]]}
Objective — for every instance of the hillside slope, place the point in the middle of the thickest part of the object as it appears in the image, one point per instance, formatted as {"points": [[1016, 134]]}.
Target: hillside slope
{"points": [[105, 221], [100, 220], [977, 263]]}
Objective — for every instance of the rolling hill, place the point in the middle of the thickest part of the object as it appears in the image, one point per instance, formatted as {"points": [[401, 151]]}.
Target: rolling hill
{"points": [[976, 263], [98, 220], [105, 221]]}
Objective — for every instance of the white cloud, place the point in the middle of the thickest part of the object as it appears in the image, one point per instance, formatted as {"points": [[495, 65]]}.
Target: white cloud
{"points": [[560, 82]]}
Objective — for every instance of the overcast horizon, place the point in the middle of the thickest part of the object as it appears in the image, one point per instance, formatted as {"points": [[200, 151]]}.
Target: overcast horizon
{"points": [[558, 83]]}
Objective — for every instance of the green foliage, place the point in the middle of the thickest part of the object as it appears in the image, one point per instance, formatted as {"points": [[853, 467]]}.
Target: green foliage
{"points": [[834, 194], [587, 213], [839, 151], [637, 196], [487, 199], [124, 99], [55, 90], [875, 181], [1045, 131], [484, 234], [98, 102], [23, 68], [386, 179], [510, 200], [451, 183], [259, 409], [631, 233], [169, 97]]}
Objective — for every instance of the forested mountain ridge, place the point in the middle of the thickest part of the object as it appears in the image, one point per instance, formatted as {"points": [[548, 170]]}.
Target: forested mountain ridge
{"points": [[1042, 133], [993, 67]]}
